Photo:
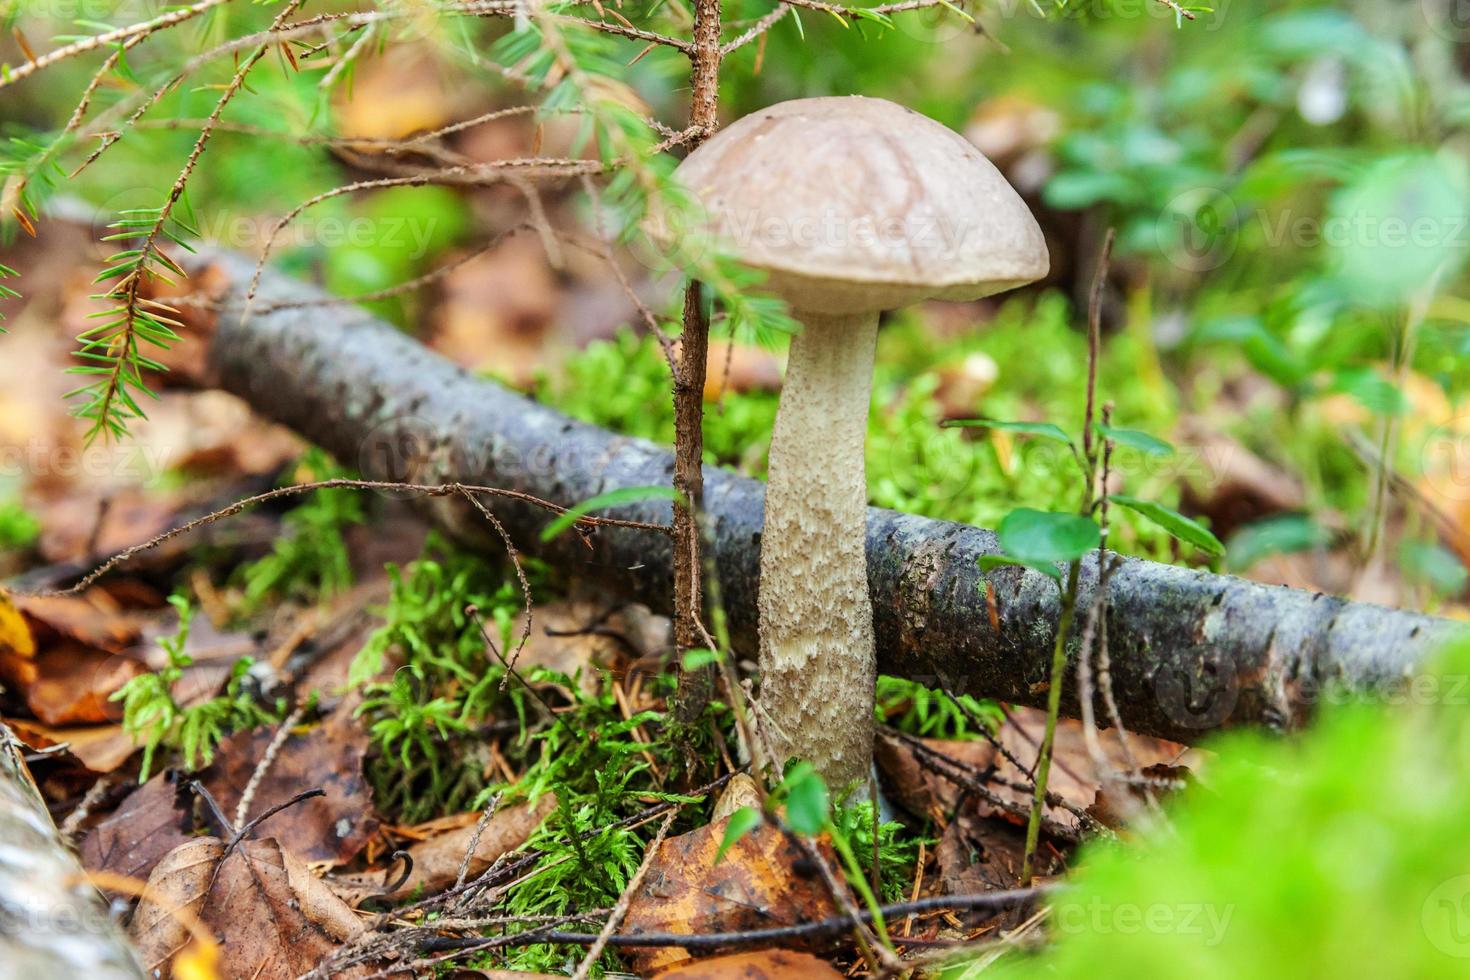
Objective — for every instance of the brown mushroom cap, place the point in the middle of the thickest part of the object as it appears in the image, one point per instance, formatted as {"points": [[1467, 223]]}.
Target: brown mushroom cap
{"points": [[852, 204]]}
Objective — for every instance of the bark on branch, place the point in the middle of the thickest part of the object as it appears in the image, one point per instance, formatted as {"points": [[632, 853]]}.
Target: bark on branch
{"points": [[1191, 652], [53, 923]]}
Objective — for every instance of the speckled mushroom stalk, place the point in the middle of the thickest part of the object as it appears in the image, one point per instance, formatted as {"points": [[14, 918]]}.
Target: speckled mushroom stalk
{"points": [[816, 620]]}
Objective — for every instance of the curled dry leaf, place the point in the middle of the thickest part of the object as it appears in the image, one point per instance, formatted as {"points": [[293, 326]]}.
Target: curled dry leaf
{"points": [[101, 748], [763, 880], [436, 861], [763, 964], [85, 648], [275, 917], [176, 889]]}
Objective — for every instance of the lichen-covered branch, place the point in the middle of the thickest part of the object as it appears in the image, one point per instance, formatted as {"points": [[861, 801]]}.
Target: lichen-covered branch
{"points": [[1191, 652]]}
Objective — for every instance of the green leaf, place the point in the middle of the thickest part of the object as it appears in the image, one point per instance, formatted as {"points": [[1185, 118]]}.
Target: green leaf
{"points": [[1134, 439], [989, 562], [1285, 534], [613, 498], [1435, 565], [1370, 389], [1045, 430], [1047, 537], [695, 659], [742, 822], [807, 803], [1184, 528]]}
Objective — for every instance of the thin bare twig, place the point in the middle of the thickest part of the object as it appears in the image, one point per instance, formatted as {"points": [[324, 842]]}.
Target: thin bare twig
{"points": [[428, 490], [247, 798]]}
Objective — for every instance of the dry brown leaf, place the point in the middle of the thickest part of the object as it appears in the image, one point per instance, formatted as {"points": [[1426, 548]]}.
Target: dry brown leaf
{"points": [[1073, 775], [101, 748], [274, 917], [92, 618], [149, 823], [179, 882], [69, 524], [70, 684], [332, 828], [739, 793], [436, 861], [328, 756], [1229, 484], [763, 880], [981, 854], [763, 964]]}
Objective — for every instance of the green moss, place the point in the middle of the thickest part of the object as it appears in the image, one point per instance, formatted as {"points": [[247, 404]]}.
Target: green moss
{"points": [[428, 758]]}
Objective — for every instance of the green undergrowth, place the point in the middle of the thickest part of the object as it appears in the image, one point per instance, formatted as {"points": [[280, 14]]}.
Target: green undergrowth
{"points": [[1338, 853], [925, 712]]}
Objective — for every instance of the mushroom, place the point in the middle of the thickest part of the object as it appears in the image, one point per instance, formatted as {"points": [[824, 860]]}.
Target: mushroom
{"points": [[851, 206]]}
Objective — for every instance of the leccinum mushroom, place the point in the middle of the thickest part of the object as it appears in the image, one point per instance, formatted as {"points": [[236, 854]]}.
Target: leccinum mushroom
{"points": [[851, 206]]}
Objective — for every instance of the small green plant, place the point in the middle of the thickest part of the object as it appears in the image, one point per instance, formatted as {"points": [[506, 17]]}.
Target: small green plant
{"points": [[152, 716], [924, 712], [309, 561], [897, 850]]}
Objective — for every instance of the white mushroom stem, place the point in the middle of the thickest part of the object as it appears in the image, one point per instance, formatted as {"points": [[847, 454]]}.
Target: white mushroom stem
{"points": [[816, 620]]}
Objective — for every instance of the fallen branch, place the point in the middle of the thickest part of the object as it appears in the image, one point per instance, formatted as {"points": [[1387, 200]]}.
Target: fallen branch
{"points": [[836, 925], [1190, 652], [53, 923]]}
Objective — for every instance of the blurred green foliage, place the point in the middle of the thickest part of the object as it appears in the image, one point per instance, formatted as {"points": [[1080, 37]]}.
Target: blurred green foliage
{"points": [[19, 528], [1339, 853]]}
